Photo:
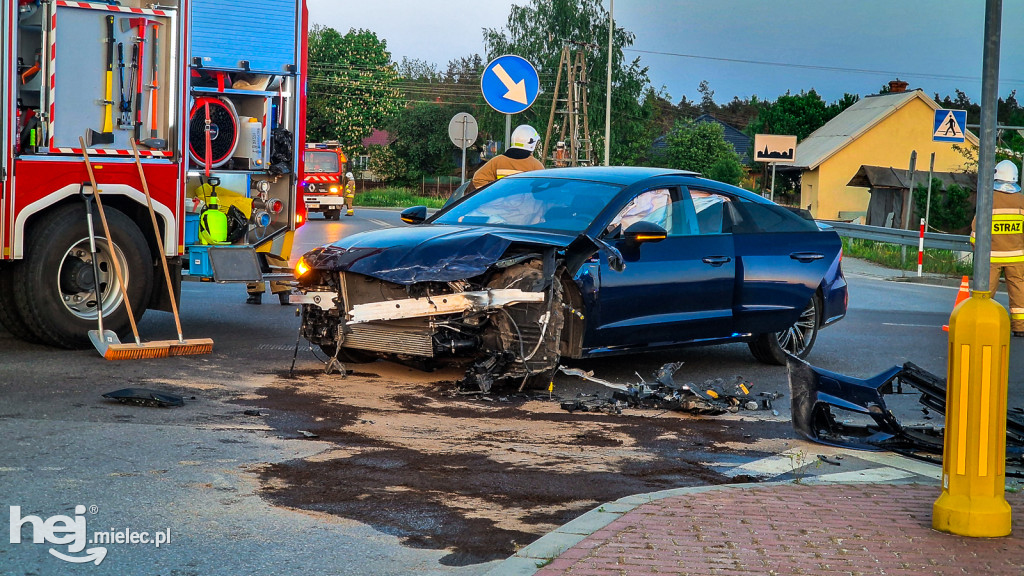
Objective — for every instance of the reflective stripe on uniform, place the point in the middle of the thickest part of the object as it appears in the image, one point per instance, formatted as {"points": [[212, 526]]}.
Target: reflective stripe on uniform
{"points": [[502, 172], [1007, 224]]}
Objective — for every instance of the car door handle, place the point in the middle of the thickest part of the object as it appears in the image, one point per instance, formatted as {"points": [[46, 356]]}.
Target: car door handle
{"points": [[806, 256], [717, 260]]}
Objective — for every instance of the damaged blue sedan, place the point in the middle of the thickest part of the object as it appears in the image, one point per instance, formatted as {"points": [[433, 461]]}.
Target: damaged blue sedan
{"points": [[574, 263]]}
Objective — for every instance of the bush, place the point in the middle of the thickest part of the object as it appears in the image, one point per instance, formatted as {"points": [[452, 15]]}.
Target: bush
{"points": [[385, 164], [951, 210], [728, 170]]}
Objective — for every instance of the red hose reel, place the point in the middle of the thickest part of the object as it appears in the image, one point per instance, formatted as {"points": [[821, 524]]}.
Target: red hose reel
{"points": [[214, 147]]}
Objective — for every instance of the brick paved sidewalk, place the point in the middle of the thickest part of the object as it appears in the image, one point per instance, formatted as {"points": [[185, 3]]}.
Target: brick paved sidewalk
{"points": [[783, 529]]}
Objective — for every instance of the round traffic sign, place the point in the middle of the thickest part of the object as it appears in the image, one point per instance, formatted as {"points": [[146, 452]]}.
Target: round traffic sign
{"points": [[463, 129], [510, 84]]}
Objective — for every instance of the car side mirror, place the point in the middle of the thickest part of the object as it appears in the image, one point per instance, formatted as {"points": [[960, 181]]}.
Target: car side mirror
{"points": [[641, 232], [414, 215]]}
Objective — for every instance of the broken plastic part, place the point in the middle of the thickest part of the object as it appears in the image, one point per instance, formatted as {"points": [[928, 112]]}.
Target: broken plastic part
{"points": [[145, 397]]}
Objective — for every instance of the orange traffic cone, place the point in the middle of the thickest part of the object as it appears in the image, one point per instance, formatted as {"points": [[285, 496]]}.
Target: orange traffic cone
{"points": [[963, 294]]}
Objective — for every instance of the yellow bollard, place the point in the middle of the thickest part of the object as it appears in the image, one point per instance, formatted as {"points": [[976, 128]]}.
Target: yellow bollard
{"points": [[973, 499]]}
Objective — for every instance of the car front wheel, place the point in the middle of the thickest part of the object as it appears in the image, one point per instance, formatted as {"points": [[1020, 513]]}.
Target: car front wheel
{"points": [[797, 340]]}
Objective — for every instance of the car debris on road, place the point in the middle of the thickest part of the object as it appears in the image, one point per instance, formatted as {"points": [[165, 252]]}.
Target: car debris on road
{"points": [[711, 397], [816, 394]]}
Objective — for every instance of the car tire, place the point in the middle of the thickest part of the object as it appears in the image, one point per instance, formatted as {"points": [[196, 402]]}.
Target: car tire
{"points": [[53, 286], [10, 314], [797, 340]]}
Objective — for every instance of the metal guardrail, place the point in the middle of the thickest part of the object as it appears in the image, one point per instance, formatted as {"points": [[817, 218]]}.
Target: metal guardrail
{"points": [[932, 240]]}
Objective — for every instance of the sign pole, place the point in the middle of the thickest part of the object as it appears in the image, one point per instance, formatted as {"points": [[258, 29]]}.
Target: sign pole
{"points": [[508, 131], [771, 191], [928, 201], [973, 501], [463, 181]]}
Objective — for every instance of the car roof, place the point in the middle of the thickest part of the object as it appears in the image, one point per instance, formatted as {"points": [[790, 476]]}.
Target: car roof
{"points": [[623, 175]]}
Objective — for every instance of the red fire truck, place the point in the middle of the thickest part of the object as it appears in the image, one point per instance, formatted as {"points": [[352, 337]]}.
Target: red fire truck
{"points": [[323, 182], [213, 91]]}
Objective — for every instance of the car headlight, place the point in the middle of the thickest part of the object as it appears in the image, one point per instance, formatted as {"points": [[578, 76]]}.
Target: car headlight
{"points": [[301, 268]]}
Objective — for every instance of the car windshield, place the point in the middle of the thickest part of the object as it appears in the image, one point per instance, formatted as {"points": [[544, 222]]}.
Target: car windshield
{"points": [[320, 162], [525, 202]]}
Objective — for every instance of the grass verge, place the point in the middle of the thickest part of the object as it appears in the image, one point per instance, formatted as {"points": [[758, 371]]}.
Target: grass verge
{"points": [[944, 262], [395, 198]]}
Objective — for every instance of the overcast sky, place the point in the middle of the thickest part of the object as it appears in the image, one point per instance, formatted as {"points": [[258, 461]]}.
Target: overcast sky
{"points": [[829, 45]]}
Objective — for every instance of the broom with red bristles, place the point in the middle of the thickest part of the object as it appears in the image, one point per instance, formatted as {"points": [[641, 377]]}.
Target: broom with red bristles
{"points": [[181, 347]]}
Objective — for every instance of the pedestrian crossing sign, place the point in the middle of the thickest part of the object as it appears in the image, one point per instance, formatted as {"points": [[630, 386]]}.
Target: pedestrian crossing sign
{"points": [[949, 125]]}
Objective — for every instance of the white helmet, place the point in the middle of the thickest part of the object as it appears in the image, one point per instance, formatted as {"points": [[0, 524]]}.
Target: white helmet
{"points": [[349, 176], [1006, 177], [525, 137]]}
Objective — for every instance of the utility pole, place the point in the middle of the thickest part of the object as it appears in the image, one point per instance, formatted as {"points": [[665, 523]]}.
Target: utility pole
{"points": [[608, 88]]}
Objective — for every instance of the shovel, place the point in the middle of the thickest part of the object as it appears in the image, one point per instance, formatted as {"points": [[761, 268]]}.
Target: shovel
{"points": [[100, 338]]}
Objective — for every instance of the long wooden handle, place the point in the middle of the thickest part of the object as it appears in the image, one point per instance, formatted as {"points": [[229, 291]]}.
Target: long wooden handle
{"points": [[159, 239], [110, 246]]}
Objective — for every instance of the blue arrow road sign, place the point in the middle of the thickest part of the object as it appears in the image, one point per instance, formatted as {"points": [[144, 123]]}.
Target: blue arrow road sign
{"points": [[949, 125], [510, 84]]}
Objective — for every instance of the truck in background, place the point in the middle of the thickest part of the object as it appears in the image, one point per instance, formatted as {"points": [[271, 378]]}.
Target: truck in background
{"points": [[323, 180], [214, 90]]}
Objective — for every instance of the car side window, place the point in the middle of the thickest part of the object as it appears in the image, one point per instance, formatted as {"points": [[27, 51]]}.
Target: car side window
{"points": [[655, 206], [711, 209]]}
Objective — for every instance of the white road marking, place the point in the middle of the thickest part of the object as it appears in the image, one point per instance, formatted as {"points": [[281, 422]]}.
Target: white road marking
{"points": [[771, 466], [381, 223], [869, 475], [912, 325], [903, 463]]}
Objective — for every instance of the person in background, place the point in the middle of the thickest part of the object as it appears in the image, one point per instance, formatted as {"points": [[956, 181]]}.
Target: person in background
{"points": [[281, 289], [1008, 241], [350, 193], [517, 158]]}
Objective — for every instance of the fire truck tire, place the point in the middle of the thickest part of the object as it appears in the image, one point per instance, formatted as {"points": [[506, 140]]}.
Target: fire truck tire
{"points": [[10, 314], [332, 214], [54, 287]]}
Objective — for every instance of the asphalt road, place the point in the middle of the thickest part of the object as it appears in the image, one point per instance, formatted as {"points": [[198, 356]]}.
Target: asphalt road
{"points": [[193, 470]]}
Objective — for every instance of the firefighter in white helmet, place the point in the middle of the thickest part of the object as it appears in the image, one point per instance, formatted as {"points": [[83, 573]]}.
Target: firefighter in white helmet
{"points": [[350, 193], [517, 158], [1008, 241]]}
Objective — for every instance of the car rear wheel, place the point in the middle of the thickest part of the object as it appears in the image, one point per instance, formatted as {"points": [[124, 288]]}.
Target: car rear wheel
{"points": [[797, 340]]}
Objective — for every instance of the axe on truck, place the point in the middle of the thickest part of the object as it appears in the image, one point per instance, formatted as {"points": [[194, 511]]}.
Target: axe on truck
{"points": [[107, 136], [126, 26]]}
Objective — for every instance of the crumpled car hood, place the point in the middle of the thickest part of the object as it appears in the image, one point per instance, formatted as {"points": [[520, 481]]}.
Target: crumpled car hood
{"points": [[426, 253]]}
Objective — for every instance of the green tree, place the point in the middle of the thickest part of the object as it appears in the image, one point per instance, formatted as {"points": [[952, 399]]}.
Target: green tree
{"points": [[727, 169], [421, 139], [797, 115], [385, 164], [352, 86], [537, 31], [699, 146]]}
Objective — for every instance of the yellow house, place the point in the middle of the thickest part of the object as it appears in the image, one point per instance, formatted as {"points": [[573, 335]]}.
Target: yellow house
{"points": [[879, 130]]}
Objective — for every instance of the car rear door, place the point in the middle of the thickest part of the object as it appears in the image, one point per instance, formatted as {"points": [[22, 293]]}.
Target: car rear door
{"points": [[675, 290], [781, 261]]}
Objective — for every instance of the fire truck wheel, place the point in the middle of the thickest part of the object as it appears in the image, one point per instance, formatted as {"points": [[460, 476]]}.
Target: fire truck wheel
{"points": [[55, 286], [332, 214], [10, 314]]}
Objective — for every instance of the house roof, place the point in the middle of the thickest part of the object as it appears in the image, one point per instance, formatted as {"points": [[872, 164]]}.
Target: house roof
{"points": [[888, 177], [377, 138], [853, 122]]}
